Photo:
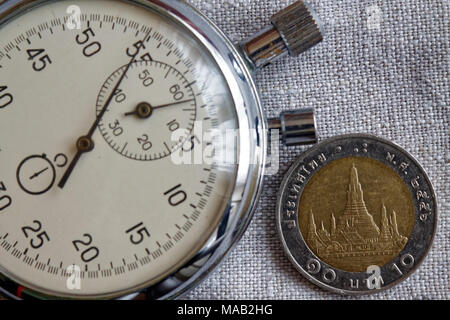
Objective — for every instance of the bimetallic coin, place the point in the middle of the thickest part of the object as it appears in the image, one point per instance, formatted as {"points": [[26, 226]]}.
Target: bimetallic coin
{"points": [[356, 214]]}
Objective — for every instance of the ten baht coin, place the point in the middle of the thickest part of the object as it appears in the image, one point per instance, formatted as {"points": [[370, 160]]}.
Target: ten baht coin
{"points": [[356, 214]]}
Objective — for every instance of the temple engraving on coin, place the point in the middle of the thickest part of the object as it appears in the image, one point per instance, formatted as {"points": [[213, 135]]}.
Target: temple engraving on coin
{"points": [[355, 233], [355, 237]]}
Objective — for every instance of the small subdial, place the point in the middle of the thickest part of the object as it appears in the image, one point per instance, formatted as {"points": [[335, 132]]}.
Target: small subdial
{"points": [[36, 174], [151, 114]]}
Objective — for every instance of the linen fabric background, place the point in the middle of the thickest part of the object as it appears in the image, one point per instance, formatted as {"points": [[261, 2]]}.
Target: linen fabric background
{"points": [[382, 69]]}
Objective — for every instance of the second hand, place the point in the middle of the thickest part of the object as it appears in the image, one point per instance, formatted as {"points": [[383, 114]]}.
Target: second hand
{"points": [[84, 143]]}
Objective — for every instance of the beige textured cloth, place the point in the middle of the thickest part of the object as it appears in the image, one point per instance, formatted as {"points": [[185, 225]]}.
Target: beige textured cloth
{"points": [[382, 69]]}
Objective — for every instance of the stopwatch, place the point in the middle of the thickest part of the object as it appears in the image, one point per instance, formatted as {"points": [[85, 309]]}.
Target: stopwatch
{"points": [[132, 143]]}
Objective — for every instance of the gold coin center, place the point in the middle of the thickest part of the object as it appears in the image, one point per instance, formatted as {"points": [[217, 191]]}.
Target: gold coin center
{"points": [[356, 212]]}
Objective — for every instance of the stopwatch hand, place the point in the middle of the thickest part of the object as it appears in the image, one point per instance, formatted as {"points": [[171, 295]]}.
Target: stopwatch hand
{"points": [[85, 143], [144, 110]]}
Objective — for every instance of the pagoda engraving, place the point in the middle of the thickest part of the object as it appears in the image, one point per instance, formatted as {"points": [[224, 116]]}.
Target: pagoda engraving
{"points": [[354, 233]]}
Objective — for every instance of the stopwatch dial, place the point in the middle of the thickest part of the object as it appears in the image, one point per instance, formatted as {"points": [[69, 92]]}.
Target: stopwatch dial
{"points": [[117, 223], [154, 103]]}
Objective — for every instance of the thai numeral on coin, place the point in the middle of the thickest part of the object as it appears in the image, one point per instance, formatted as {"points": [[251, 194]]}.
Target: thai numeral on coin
{"points": [[313, 266], [375, 280], [406, 262]]}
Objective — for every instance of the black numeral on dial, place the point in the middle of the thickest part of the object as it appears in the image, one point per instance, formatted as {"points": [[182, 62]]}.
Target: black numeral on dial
{"points": [[190, 143], [5, 98], [138, 233], [132, 51], [119, 96], [5, 200], [116, 128], [173, 125], [144, 142], [147, 80], [176, 91], [88, 252], [176, 196], [90, 48], [40, 59], [37, 236]]}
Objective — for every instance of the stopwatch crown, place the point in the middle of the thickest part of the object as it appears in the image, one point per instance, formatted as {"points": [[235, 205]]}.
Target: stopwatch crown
{"points": [[298, 127], [299, 27], [294, 30]]}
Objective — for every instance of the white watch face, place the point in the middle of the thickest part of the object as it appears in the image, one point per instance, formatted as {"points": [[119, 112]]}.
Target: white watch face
{"points": [[129, 211]]}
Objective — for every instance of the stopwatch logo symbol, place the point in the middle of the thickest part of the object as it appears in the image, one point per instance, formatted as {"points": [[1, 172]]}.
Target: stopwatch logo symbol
{"points": [[36, 174]]}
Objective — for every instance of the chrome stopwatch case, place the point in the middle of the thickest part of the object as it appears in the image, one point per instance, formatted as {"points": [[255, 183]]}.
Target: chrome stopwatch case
{"points": [[132, 143]]}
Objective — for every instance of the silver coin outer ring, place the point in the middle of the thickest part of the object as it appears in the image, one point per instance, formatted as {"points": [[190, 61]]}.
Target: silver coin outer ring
{"points": [[425, 215]]}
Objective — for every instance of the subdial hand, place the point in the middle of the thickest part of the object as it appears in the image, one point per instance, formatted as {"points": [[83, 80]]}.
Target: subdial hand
{"points": [[144, 109], [85, 143], [37, 174]]}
